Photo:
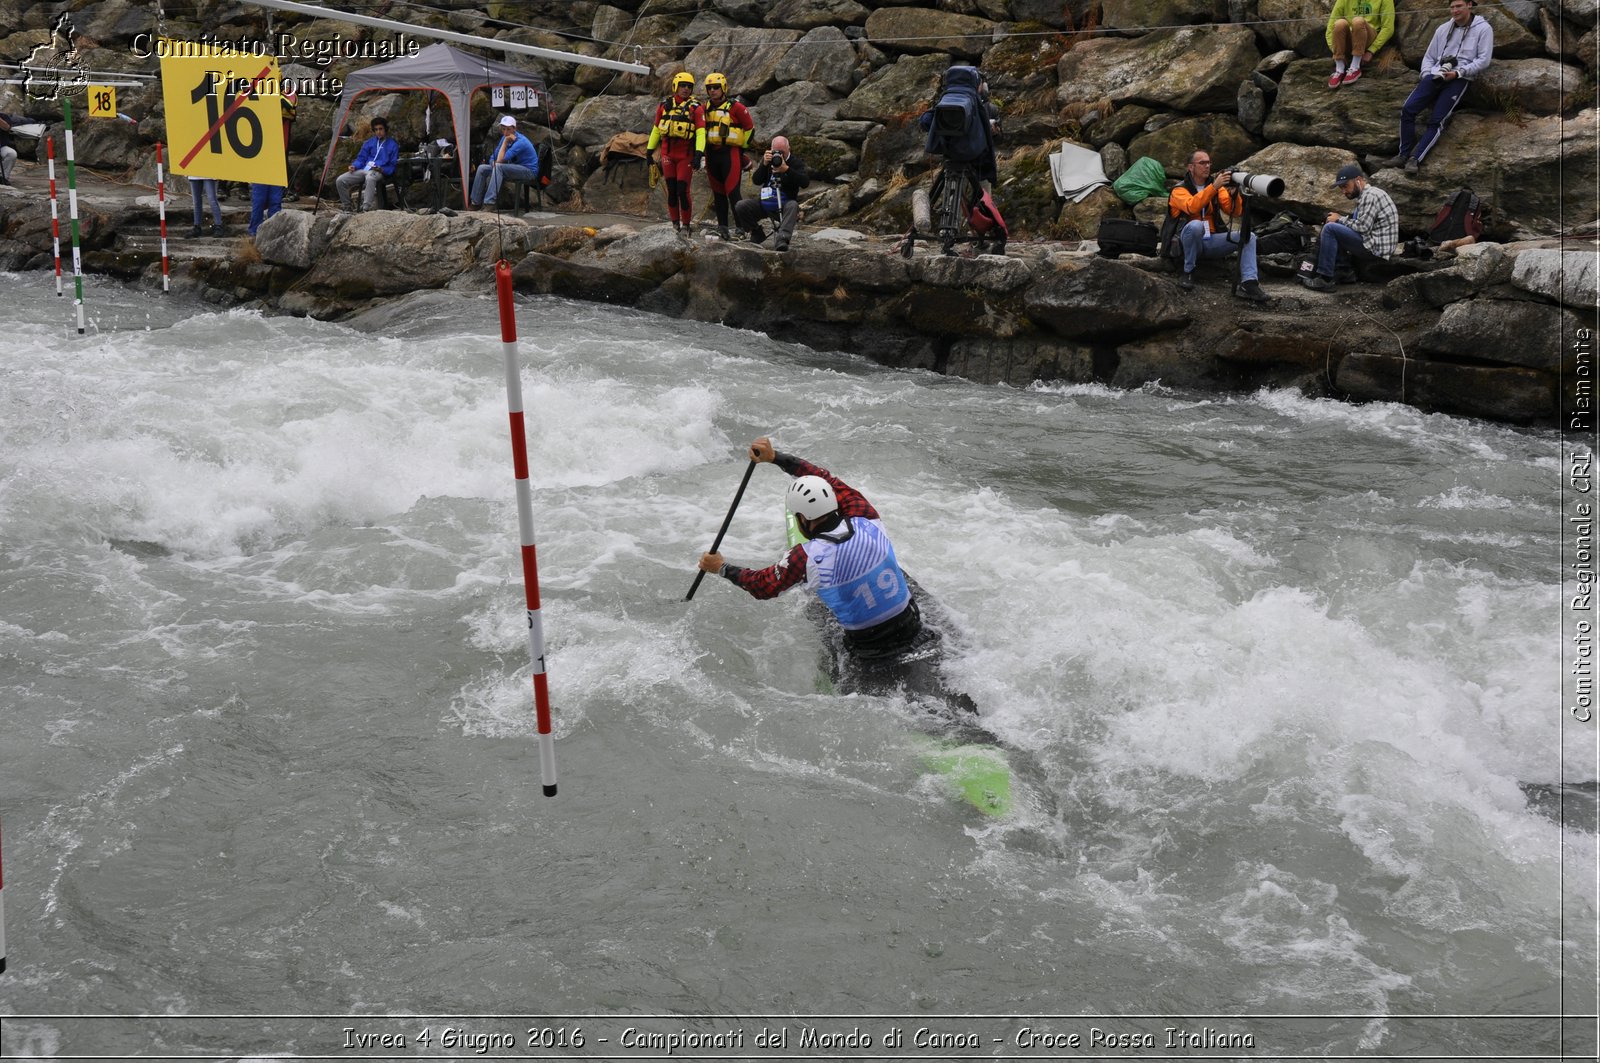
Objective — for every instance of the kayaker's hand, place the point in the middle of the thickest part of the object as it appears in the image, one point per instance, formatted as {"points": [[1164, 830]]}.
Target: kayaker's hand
{"points": [[711, 563], [761, 450]]}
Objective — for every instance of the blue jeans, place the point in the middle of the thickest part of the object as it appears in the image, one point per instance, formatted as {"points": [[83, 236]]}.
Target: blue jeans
{"points": [[486, 182], [1439, 98], [1198, 243], [265, 201], [1337, 239], [201, 189]]}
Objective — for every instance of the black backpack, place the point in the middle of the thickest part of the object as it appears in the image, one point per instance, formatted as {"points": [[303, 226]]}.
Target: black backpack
{"points": [[1283, 234], [1462, 216], [547, 159]]}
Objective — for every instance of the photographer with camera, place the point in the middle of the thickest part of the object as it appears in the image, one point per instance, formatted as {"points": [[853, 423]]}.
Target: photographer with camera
{"points": [[1461, 49], [1371, 230], [779, 179], [1202, 203]]}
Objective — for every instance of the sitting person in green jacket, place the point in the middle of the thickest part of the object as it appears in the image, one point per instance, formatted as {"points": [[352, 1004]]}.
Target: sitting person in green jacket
{"points": [[1357, 29]]}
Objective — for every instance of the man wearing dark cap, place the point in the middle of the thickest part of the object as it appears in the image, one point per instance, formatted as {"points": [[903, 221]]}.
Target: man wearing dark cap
{"points": [[1372, 228]]}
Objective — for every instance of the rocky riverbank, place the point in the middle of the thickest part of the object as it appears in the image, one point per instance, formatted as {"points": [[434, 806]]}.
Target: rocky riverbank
{"points": [[1487, 333]]}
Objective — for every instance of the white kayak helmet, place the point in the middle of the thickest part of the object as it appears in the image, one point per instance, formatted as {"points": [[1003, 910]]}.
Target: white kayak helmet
{"points": [[811, 497]]}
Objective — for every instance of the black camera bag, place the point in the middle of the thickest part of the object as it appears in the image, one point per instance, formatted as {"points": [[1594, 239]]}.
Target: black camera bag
{"points": [[1119, 236]]}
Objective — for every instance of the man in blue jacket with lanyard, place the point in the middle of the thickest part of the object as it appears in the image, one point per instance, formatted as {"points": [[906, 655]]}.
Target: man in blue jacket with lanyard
{"points": [[376, 160], [513, 156], [846, 558]]}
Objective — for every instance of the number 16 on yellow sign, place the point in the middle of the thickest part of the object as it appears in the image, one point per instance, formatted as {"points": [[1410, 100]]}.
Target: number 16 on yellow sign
{"points": [[224, 114]]}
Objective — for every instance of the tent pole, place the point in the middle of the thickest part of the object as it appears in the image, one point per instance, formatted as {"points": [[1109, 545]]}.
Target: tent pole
{"points": [[449, 35]]}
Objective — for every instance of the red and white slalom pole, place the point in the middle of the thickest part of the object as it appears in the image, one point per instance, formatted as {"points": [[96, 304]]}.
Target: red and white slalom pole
{"points": [[55, 211], [161, 199], [530, 559]]}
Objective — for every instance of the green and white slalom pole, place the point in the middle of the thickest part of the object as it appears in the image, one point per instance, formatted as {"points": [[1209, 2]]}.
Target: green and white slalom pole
{"points": [[72, 211]]}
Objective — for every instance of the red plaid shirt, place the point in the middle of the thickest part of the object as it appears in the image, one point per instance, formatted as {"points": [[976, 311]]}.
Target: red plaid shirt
{"points": [[773, 580]]}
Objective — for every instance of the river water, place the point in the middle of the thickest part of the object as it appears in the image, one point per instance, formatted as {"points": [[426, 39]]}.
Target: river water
{"points": [[1279, 679]]}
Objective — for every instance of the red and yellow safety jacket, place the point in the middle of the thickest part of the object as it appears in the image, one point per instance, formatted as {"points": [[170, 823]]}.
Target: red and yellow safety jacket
{"points": [[728, 125], [677, 119]]}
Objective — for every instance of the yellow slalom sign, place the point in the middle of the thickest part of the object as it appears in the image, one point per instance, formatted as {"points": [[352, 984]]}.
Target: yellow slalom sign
{"points": [[102, 101], [224, 113]]}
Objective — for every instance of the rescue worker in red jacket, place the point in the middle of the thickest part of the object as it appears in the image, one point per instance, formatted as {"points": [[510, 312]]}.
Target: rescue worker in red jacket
{"points": [[728, 129], [680, 132]]}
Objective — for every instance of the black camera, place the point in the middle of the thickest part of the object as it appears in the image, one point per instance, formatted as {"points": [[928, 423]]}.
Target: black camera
{"points": [[1448, 63]]}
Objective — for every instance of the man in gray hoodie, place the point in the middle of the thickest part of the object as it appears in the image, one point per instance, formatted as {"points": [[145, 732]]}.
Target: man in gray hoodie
{"points": [[1461, 49]]}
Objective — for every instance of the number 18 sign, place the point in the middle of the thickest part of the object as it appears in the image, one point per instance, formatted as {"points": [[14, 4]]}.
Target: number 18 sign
{"points": [[224, 113], [102, 101]]}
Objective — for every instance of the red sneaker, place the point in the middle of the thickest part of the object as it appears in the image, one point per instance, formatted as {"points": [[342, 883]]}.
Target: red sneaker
{"points": [[1353, 76], [1335, 79]]}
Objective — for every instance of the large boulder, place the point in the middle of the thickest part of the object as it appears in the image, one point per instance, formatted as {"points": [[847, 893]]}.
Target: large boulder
{"points": [[1299, 25], [1518, 395], [1120, 126], [1186, 69], [1528, 171], [1509, 331], [1136, 15], [901, 88], [1018, 63], [293, 237], [1307, 172], [105, 144], [654, 255], [1567, 277], [653, 41], [1528, 86], [1171, 145], [801, 109], [895, 150], [596, 120], [1097, 298], [1364, 117], [750, 57], [552, 275], [386, 252], [813, 14], [825, 158], [921, 31], [816, 59], [1019, 362]]}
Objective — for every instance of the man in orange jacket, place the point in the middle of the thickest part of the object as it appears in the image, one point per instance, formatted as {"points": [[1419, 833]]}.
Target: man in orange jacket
{"points": [[1205, 202]]}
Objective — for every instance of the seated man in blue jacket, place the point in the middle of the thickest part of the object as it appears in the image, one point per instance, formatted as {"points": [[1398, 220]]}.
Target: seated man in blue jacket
{"points": [[376, 160], [512, 156]]}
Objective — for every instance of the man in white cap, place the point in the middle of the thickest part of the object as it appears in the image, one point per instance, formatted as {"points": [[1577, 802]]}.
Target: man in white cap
{"points": [[1372, 228], [512, 156]]}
